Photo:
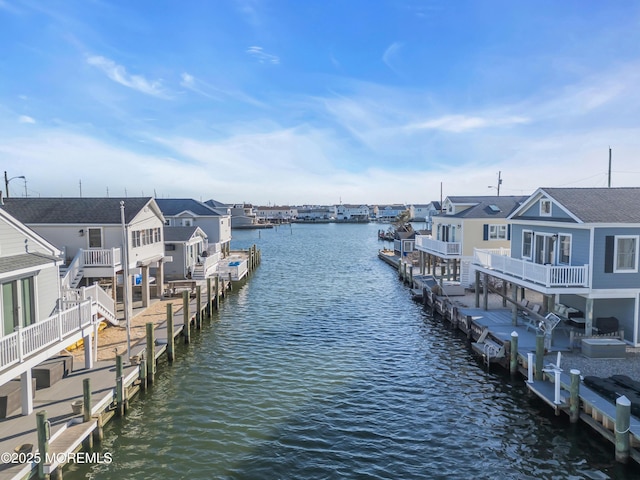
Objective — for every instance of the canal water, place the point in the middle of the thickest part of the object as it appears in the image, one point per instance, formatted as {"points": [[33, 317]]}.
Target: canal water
{"points": [[322, 367]]}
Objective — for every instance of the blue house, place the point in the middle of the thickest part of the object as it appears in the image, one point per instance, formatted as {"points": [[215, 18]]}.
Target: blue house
{"points": [[578, 247]]}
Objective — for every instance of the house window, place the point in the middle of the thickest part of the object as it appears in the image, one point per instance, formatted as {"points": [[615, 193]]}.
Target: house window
{"points": [[626, 254], [18, 307], [95, 238], [135, 238], [564, 253], [497, 232], [187, 222], [545, 208], [527, 241]]}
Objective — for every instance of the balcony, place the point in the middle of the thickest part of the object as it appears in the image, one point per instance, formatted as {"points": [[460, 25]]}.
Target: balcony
{"points": [[549, 276], [438, 247]]}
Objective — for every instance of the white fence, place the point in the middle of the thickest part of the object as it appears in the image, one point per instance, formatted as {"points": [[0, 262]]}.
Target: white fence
{"points": [[429, 245], [19, 345]]}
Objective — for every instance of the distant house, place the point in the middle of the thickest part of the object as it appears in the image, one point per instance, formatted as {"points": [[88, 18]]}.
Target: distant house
{"points": [[352, 213], [466, 223], [243, 215], [425, 212], [277, 214], [389, 213], [89, 232], [188, 247], [34, 321], [316, 213], [214, 221], [579, 248]]}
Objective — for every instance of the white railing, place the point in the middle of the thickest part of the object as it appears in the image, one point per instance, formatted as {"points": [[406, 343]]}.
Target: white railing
{"points": [[547, 275], [73, 270], [427, 244], [101, 300], [101, 257], [210, 262], [19, 345], [237, 267]]}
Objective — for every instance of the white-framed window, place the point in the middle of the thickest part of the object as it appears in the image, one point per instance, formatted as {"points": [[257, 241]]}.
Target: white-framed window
{"points": [[545, 208], [625, 254], [497, 232], [527, 243], [564, 249]]}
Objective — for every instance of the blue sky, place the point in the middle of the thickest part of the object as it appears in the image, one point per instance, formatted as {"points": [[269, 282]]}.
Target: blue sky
{"points": [[310, 101]]}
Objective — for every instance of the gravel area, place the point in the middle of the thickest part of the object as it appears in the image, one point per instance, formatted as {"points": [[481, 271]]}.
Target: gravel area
{"points": [[601, 367]]}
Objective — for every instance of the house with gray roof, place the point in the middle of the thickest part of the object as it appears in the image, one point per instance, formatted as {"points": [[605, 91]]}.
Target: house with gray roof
{"points": [[188, 248], [579, 248], [466, 223], [214, 220], [90, 232]]}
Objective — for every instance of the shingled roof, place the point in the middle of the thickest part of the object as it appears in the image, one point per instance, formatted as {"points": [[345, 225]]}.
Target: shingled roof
{"points": [[599, 205], [175, 206], [179, 234], [65, 210], [483, 206]]}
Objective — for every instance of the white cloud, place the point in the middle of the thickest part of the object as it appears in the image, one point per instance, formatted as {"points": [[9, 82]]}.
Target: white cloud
{"points": [[263, 57], [214, 93], [26, 119], [119, 74], [390, 53], [463, 123]]}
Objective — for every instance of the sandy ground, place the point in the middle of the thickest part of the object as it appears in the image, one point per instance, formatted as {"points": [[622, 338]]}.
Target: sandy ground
{"points": [[113, 339]]}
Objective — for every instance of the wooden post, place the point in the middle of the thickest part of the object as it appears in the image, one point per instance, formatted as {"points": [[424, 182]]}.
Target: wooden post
{"points": [[151, 354], [513, 364], [217, 295], [171, 350], [119, 386], [485, 292], [198, 307], [44, 433], [539, 356], [209, 304], [98, 432], [186, 331], [477, 289], [514, 304], [87, 443], [504, 293], [230, 284], [574, 398], [623, 421], [143, 373]]}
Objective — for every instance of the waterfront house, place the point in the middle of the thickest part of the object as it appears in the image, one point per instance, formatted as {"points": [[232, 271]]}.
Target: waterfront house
{"points": [[389, 213], [35, 322], [466, 223], [188, 248], [352, 213], [90, 232], [243, 215], [579, 248], [318, 213], [425, 213], [276, 214], [215, 222]]}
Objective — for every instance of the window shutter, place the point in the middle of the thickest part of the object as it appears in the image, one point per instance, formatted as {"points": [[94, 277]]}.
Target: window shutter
{"points": [[608, 253], [509, 232], [485, 232]]}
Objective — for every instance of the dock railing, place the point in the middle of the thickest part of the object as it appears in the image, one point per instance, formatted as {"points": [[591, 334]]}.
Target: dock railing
{"points": [[429, 245]]}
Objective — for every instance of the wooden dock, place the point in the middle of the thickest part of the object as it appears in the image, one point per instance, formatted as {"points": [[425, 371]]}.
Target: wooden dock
{"points": [[491, 334], [68, 432]]}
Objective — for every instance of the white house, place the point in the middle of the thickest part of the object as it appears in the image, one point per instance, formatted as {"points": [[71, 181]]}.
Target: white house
{"points": [[352, 213], [188, 248], [277, 214]]}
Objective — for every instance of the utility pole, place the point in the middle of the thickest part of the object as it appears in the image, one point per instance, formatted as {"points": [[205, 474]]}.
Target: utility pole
{"points": [[499, 181], [609, 176]]}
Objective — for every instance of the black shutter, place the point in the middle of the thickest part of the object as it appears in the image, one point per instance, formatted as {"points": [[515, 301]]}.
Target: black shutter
{"points": [[608, 253], [509, 232], [485, 232]]}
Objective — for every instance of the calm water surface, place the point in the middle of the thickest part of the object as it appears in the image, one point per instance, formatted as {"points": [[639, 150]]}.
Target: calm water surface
{"points": [[321, 367]]}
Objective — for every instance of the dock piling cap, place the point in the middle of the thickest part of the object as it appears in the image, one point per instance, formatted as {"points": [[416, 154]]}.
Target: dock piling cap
{"points": [[623, 401], [514, 334]]}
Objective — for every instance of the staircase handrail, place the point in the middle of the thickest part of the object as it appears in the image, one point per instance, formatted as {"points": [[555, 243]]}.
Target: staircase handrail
{"points": [[72, 270]]}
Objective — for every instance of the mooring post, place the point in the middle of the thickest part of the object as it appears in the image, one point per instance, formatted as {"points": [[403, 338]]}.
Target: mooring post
{"points": [[119, 386], [623, 421], [477, 289], [230, 282], [556, 387], [171, 354], [539, 356], [87, 443], [143, 372], [151, 353], [513, 364], [98, 432], [217, 295], [530, 367], [44, 433], [198, 307], [86, 399], [485, 292], [574, 399], [514, 304], [209, 304], [411, 275], [186, 331]]}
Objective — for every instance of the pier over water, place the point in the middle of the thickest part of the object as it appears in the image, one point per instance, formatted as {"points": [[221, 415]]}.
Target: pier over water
{"points": [[321, 366]]}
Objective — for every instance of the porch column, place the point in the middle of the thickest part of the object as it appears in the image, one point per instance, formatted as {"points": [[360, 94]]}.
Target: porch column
{"points": [[588, 317], [114, 289], [160, 278], [88, 350], [550, 301], [145, 286], [485, 292], [26, 392], [477, 289]]}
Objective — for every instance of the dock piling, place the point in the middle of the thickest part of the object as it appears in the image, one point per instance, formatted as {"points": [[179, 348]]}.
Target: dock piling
{"points": [[539, 356], [44, 433], [151, 354], [86, 399], [209, 300], [530, 367], [623, 422], [119, 386], [170, 332], [186, 331], [574, 398], [513, 364]]}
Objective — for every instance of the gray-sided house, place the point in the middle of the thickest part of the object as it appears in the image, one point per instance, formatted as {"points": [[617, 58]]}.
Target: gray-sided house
{"points": [[90, 232], [35, 322], [215, 222], [579, 247], [188, 247]]}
